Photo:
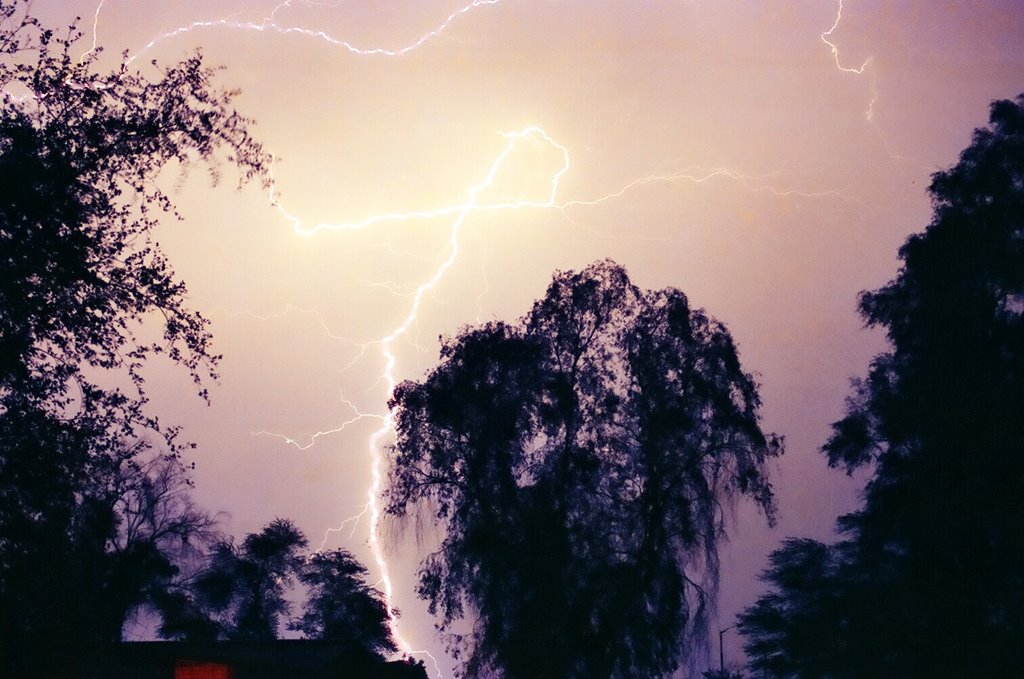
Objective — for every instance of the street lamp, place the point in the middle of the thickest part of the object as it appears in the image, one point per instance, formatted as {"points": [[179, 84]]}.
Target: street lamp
{"points": [[721, 651]]}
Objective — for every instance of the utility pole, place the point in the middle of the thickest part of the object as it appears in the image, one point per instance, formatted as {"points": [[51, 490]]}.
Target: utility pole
{"points": [[721, 651]]}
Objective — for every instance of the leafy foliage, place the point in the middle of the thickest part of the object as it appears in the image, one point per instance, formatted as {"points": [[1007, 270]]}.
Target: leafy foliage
{"points": [[85, 539], [340, 606], [795, 631], [579, 461], [928, 580], [242, 593], [79, 159], [244, 585], [93, 521]]}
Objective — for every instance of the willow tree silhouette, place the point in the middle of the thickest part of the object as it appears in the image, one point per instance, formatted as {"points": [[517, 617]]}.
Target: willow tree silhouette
{"points": [[929, 580], [80, 153], [579, 461]]}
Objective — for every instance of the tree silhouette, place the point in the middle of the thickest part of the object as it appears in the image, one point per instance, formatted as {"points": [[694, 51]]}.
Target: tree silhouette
{"points": [[86, 540], [340, 606], [796, 630], [156, 533], [241, 594], [80, 155], [928, 581], [244, 586], [579, 461]]}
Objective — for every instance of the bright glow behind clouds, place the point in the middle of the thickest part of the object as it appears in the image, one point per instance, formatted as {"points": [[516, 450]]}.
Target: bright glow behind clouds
{"points": [[766, 196]]}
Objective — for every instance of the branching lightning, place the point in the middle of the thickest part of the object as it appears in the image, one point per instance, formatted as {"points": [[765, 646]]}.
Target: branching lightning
{"points": [[531, 135], [869, 115], [693, 175], [269, 24], [95, 31], [856, 70], [859, 70], [354, 520], [458, 213], [313, 438]]}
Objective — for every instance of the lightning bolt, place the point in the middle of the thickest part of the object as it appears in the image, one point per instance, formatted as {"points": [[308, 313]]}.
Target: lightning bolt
{"points": [[856, 70], [95, 32], [859, 70], [269, 24], [458, 213], [387, 427], [869, 115]]}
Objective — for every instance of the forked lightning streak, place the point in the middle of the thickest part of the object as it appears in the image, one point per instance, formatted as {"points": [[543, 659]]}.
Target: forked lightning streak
{"points": [[458, 213]]}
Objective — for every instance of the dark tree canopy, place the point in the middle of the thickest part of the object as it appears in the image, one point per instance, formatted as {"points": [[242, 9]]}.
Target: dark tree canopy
{"points": [[579, 461], [340, 606], [85, 540], [80, 153], [796, 630], [244, 586], [929, 580], [94, 520], [244, 593]]}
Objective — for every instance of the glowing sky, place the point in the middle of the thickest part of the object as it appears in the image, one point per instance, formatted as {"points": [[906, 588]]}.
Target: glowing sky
{"points": [[730, 149]]}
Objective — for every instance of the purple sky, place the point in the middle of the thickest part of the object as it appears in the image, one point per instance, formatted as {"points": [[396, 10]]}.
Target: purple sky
{"points": [[740, 151]]}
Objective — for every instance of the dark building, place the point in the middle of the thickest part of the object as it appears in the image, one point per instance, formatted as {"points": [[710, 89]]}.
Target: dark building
{"points": [[287, 658]]}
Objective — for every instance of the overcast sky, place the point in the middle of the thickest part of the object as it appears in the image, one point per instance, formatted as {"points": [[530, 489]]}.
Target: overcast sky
{"points": [[763, 157]]}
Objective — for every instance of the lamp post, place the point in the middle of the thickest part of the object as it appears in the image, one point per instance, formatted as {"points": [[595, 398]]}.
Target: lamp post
{"points": [[721, 651]]}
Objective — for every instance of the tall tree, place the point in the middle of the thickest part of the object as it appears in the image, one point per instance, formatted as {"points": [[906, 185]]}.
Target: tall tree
{"points": [[85, 539], [242, 593], [81, 153], [797, 629], [579, 461], [244, 586], [340, 606], [929, 577], [154, 539]]}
